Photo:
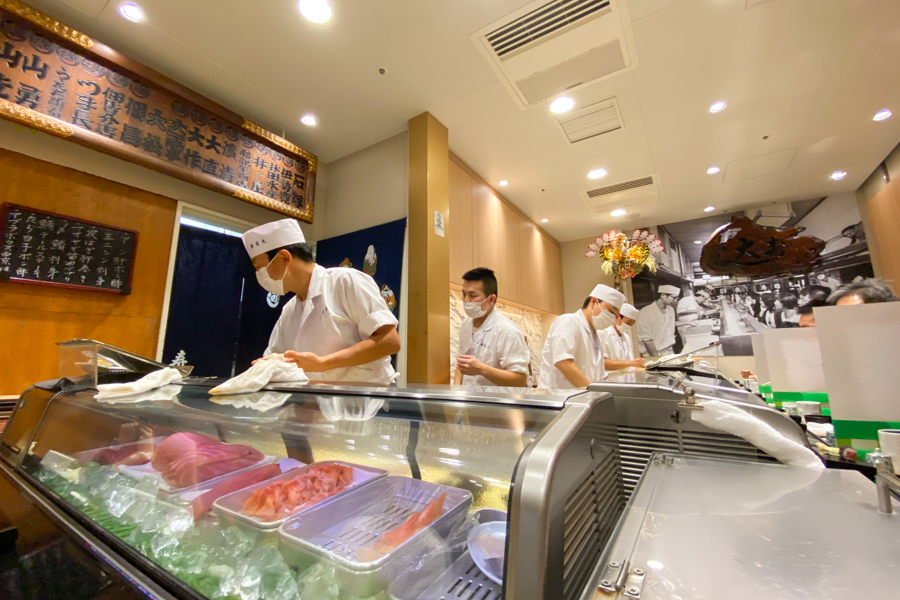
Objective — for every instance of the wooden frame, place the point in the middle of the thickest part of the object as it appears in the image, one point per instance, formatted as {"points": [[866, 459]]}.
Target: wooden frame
{"points": [[125, 291]]}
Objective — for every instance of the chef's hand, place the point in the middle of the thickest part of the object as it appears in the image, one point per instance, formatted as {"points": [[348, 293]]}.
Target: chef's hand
{"points": [[637, 363], [469, 365], [305, 360], [269, 357]]}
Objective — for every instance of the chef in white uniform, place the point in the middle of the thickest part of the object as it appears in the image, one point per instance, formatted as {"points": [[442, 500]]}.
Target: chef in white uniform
{"points": [[337, 327], [572, 356], [656, 323], [492, 350], [618, 350]]}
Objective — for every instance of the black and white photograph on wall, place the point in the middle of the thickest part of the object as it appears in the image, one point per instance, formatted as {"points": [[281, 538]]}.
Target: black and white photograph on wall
{"points": [[683, 309]]}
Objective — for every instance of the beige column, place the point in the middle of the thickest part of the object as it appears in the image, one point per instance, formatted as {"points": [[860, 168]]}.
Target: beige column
{"points": [[428, 338]]}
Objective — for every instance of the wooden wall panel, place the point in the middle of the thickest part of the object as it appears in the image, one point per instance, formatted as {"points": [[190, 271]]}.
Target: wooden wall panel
{"points": [[485, 226], [529, 262], [884, 216], [33, 318], [460, 223], [554, 279], [510, 260]]}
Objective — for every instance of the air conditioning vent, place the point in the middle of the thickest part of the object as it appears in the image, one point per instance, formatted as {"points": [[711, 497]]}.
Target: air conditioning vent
{"points": [[546, 48], [551, 18], [591, 121], [620, 187], [624, 194]]}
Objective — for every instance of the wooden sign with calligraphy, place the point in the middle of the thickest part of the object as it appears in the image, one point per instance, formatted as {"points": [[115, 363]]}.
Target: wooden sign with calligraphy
{"points": [[62, 82], [46, 248]]}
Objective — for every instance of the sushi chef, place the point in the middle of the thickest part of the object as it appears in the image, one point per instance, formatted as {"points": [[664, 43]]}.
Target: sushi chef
{"points": [[337, 327], [618, 351], [656, 323], [492, 350], [572, 356]]}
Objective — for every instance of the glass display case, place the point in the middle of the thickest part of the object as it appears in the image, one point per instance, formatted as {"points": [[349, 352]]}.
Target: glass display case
{"points": [[332, 492]]}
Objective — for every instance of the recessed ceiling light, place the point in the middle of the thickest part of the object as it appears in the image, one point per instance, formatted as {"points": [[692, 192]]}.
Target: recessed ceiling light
{"points": [[545, 220], [698, 242], [503, 183], [838, 175], [882, 114], [132, 12], [619, 212], [562, 104], [718, 107], [597, 173], [309, 120], [709, 209], [712, 170], [317, 11]]}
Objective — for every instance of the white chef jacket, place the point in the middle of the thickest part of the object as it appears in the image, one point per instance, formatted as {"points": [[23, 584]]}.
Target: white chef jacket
{"points": [[343, 307], [615, 346], [656, 326], [498, 343], [688, 309], [570, 336]]}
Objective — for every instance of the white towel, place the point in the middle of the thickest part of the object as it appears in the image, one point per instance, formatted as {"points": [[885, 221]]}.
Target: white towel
{"points": [[149, 382], [166, 393], [261, 401], [260, 374], [728, 418]]}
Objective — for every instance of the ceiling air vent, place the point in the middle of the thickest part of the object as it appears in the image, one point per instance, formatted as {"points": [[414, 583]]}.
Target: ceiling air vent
{"points": [[591, 121], [546, 48], [624, 195]]}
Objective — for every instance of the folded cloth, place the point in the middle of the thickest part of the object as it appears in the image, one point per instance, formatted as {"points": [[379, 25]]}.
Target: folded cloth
{"points": [[260, 374], [144, 384], [166, 393], [261, 401]]}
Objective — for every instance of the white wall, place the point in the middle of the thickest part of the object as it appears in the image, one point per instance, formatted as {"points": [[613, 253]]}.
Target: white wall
{"points": [[68, 154], [367, 188], [828, 219], [580, 274]]}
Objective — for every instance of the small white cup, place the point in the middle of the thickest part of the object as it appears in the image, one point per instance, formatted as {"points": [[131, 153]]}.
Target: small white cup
{"points": [[889, 441]]}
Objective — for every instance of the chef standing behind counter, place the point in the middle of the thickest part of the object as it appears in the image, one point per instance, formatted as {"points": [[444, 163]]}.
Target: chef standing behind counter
{"points": [[337, 327], [572, 356], [618, 350]]}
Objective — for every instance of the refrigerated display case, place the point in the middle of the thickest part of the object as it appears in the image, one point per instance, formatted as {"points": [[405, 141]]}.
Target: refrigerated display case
{"points": [[321, 491]]}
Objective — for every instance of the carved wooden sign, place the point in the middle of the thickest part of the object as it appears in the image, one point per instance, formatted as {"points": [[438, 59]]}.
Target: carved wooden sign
{"points": [[60, 81]]}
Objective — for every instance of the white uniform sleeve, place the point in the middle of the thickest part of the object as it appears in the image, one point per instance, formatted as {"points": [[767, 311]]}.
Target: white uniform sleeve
{"points": [[363, 302], [514, 353], [645, 327], [562, 342], [278, 344]]}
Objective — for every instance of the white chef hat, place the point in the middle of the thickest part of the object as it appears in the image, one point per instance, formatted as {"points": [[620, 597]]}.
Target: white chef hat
{"points": [[608, 294], [271, 236], [629, 312], [669, 289]]}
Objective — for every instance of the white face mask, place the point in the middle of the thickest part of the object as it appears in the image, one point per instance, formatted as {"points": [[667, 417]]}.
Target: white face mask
{"points": [[273, 286], [603, 320], [474, 310], [623, 328]]}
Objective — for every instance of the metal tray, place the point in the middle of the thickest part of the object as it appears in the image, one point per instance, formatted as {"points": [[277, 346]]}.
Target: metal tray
{"points": [[336, 531], [230, 506]]}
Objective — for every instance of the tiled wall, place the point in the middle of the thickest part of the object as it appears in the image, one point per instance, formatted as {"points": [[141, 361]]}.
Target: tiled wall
{"points": [[530, 323]]}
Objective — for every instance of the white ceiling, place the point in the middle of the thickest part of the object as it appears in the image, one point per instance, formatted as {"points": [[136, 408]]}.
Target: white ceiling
{"points": [[807, 73]]}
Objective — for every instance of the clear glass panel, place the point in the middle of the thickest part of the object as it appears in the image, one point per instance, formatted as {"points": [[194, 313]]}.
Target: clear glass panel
{"points": [[266, 495]]}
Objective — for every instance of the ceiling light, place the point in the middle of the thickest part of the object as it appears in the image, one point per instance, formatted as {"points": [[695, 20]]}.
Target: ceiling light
{"points": [[698, 242], [838, 175], [881, 115], [712, 170], [503, 183], [619, 212], [597, 173], [545, 220], [317, 11], [132, 12], [709, 209], [717, 107], [562, 104], [309, 120]]}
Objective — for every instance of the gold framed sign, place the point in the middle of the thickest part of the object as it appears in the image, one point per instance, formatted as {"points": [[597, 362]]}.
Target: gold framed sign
{"points": [[62, 82]]}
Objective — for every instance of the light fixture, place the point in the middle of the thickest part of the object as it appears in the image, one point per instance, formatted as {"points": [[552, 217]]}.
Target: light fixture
{"points": [[718, 107], [545, 220], [503, 183], [309, 120], [132, 12], [709, 209], [619, 212], [882, 115], [597, 173], [712, 170], [698, 242], [317, 11], [562, 104], [838, 175]]}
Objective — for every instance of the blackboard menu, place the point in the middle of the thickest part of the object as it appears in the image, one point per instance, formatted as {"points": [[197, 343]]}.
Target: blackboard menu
{"points": [[47, 248]]}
